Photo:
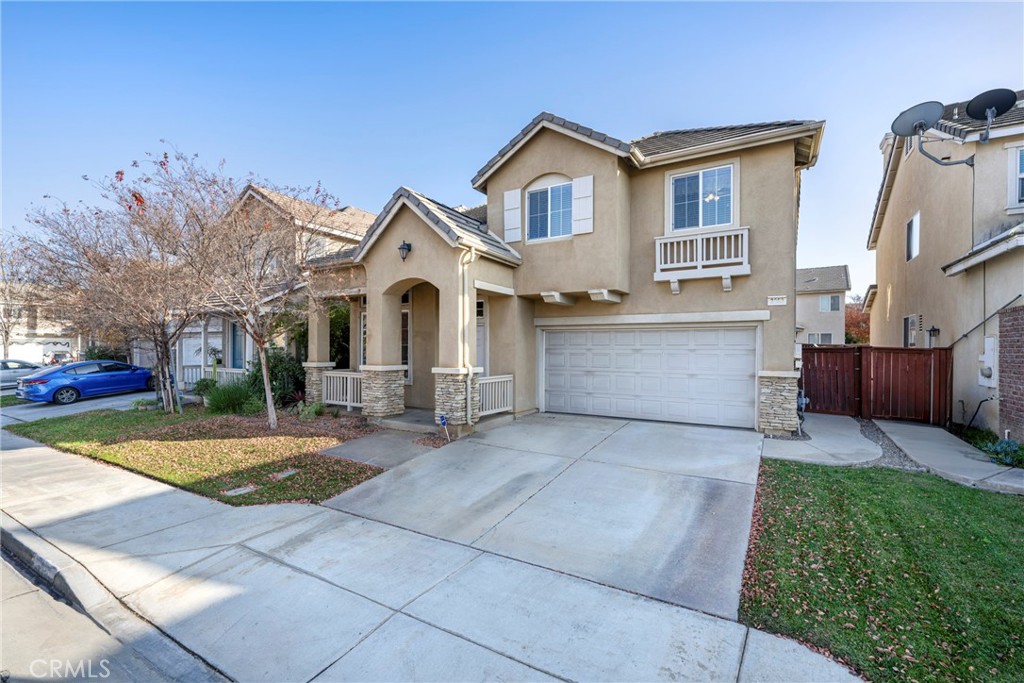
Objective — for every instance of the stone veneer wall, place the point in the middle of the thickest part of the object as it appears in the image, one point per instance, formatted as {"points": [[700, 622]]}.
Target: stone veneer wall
{"points": [[383, 392], [1011, 372], [315, 381], [450, 398], [777, 411]]}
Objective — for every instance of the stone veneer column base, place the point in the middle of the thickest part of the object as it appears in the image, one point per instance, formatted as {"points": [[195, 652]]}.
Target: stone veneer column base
{"points": [[450, 395], [315, 380], [383, 390], [777, 405]]}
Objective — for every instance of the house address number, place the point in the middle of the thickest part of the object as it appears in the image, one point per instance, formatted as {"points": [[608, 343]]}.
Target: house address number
{"points": [[777, 300]]}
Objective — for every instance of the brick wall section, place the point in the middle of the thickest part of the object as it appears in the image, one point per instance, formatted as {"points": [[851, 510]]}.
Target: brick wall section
{"points": [[450, 398], [383, 392], [777, 410], [1011, 372]]}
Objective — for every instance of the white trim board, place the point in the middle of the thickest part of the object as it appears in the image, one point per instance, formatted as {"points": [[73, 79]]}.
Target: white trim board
{"points": [[657, 318]]}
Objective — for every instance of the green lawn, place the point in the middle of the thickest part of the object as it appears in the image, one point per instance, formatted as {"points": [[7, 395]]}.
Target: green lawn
{"points": [[906, 577], [10, 400], [210, 455]]}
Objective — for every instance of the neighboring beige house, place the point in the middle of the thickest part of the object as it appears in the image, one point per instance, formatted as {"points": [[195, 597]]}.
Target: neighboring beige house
{"points": [[330, 234], [652, 279], [39, 331], [948, 253], [821, 304]]}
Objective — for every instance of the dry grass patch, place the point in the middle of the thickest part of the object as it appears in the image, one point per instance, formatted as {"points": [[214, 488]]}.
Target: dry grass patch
{"points": [[212, 455]]}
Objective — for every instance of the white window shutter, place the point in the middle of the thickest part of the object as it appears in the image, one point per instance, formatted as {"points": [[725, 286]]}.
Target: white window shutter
{"points": [[583, 205], [513, 215]]}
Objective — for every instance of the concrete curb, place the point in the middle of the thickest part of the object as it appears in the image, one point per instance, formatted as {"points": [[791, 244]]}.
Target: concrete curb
{"points": [[970, 482], [89, 596]]}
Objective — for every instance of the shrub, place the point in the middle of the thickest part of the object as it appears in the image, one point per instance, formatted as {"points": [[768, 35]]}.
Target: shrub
{"points": [[230, 398], [287, 376], [103, 352], [311, 412], [1006, 452], [253, 405], [979, 438], [203, 386]]}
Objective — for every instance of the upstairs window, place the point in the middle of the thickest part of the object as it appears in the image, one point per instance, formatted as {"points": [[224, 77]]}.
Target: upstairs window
{"points": [[828, 303], [1017, 177], [702, 199], [914, 236], [549, 212]]}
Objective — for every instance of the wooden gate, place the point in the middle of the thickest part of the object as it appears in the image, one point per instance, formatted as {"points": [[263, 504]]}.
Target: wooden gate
{"points": [[885, 383]]}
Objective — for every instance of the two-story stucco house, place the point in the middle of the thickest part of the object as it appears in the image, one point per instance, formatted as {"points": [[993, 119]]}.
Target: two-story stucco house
{"points": [[949, 259], [651, 279], [821, 304]]}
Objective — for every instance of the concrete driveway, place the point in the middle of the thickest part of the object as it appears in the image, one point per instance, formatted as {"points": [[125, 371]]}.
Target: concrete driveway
{"points": [[661, 510], [30, 412]]}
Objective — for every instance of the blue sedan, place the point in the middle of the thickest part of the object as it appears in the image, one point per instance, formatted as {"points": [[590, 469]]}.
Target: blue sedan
{"points": [[68, 383]]}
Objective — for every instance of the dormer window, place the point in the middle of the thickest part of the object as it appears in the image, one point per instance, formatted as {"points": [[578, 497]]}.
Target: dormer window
{"points": [[549, 211]]}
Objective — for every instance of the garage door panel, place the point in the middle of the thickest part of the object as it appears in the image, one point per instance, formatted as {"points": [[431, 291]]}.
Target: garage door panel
{"points": [[704, 376]]}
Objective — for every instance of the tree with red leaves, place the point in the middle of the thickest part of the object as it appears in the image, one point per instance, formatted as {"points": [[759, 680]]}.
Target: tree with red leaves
{"points": [[858, 323]]}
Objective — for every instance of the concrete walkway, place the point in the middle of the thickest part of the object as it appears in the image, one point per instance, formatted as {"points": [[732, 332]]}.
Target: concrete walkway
{"points": [[302, 592], [951, 458], [835, 440], [29, 412]]}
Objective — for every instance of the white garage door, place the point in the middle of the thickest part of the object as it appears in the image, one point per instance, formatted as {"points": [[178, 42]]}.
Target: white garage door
{"points": [[703, 376]]}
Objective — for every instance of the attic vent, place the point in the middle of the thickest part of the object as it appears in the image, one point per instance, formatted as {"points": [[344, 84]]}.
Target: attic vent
{"points": [[956, 113]]}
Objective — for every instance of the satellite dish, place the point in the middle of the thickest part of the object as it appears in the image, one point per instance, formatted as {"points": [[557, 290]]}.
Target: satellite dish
{"points": [[1000, 100], [917, 119]]}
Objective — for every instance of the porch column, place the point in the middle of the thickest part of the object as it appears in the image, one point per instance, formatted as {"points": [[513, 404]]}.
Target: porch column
{"points": [[179, 364], [456, 351], [383, 374], [204, 346], [318, 352]]}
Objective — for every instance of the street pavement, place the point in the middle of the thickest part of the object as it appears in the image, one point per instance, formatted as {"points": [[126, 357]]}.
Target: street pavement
{"points": [[29, 412]]}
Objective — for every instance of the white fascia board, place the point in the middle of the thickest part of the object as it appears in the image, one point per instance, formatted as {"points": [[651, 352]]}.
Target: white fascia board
{"points": [[529, 136], [731, 145], [658, 319], [888, 180], [984, 255], [493, 288]]}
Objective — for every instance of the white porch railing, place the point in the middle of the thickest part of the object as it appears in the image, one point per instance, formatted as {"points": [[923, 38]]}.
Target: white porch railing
{"points": [[693, 254], [190, 374], [226, 374], [343, 388], [496, 394]]}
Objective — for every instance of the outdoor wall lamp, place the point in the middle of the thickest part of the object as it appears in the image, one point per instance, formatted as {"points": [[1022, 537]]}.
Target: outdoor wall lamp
{"points": [[404, 248], [933, 331]]}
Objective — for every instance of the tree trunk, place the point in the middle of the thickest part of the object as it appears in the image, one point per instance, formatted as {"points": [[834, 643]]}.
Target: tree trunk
{"points": [[267, 392], [7, 345], [163, 360]]}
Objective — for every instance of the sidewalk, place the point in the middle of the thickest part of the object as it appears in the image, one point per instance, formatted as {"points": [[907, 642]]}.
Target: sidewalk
{"points": [[951, 458], [835, 440], [302, 592]]}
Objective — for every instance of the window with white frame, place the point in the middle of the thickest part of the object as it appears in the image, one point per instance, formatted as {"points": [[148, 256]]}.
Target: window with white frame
{"points": [[549, 211], [828, 303], [1020, 175], [702, 199], [819, 338], [914, 236], [1015, 192]]}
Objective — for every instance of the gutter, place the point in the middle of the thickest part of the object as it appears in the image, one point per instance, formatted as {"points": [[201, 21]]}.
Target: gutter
{"points": [[986, 251]]}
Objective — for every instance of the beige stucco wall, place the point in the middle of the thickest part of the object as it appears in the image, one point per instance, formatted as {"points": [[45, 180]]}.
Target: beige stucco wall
{"points": [[810, 316], [943, 195]]}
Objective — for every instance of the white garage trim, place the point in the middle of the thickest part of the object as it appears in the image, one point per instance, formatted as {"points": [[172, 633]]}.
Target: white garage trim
{"points": [[750, 378], [658, 319]]}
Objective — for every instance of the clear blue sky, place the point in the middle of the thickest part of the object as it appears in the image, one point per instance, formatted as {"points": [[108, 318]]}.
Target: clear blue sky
{"points": [[368, 97]]}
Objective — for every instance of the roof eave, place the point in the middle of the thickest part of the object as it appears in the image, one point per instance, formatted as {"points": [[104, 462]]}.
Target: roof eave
{"points": [[813, 129], [869, 298], [888, 179], [1013, 239]]}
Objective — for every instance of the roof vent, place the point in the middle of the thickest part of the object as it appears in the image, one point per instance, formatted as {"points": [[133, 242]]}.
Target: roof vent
{"points": [[956, 113]]}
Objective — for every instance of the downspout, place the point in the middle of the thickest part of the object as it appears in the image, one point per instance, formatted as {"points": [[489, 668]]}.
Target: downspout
{"points": [[465, 319]]}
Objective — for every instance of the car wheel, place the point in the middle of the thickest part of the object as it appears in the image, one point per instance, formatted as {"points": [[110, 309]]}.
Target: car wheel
{"points": [[65, 395], [150, 384]]}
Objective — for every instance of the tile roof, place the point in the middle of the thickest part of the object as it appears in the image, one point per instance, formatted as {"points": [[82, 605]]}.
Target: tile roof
{"points": [[548, 117], [478, 213], [676, 140], [957, 123], [823, 279], [337, 258], [348, 220], [458, 226]]}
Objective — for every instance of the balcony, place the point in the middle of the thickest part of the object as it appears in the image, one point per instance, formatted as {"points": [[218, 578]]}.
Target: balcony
{"points": [[698, 254]]}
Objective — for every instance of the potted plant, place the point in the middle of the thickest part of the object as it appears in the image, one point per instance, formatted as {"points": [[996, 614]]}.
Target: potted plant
{"points": [[202, 389]]}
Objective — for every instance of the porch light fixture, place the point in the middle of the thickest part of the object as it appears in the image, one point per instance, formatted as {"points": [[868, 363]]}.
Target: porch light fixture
{"points": [[933, 331], [404, 248], [985, 107]]}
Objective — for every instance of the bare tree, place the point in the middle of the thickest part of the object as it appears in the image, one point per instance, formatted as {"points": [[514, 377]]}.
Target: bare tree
{"points": [[121, 265], [16, 290]]}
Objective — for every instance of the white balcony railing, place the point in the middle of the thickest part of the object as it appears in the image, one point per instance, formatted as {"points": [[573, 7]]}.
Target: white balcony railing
{"points": [[496, 394], [189, 375], [225, 375], [343, 388], [693, 254]]}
